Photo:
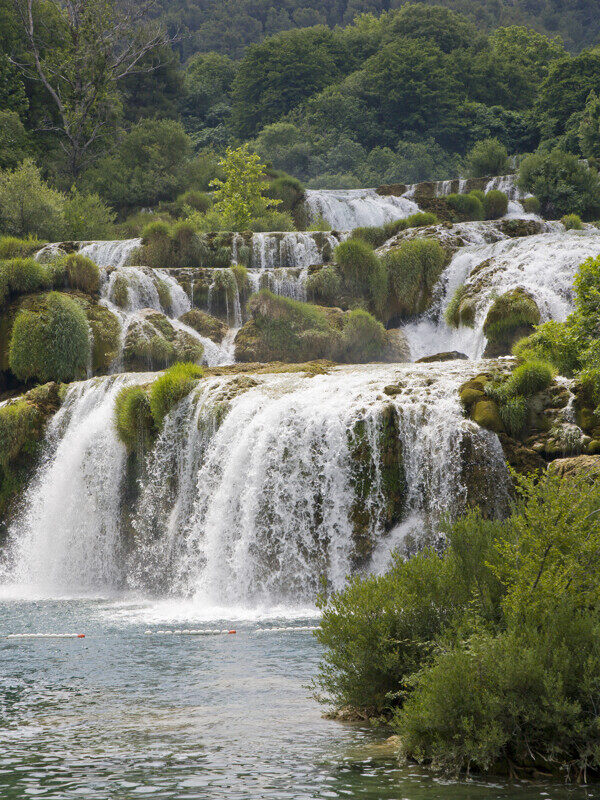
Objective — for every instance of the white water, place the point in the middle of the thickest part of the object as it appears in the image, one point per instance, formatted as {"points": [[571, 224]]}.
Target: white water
{"points": [[250, 509], [296, 250], [544, 265], [345, 209], [110, 254]]}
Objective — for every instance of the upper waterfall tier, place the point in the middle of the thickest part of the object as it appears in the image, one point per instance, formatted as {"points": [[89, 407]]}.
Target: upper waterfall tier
{"points": [[543, 265], [257, 487], [345, 209]]}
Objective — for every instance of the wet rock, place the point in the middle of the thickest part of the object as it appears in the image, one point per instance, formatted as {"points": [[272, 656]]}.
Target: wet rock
{"points": [[397, 348], [205, 324], [452, 355]]}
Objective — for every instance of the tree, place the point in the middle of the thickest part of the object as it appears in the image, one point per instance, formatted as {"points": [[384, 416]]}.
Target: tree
{"points": [[239, 197], [589, 128], [28, 206], [488, 157], [95, 46], [14, 142]]}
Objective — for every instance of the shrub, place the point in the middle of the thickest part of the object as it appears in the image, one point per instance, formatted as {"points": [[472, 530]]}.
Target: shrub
{"points": [[572, 222], [478, 193], [199, 201], [168, 390], [22, 276], [487, 157], [325, 286], [28, 206], [373, 236], [513, 414], [413, 270], [288, 190], [82, 273], [531, 205], [50, 342], [88, 217], [562, 183], [364, 337], [553, 342], [495, 204], [272, 221], [18, 424], [362, 272], [509, 312], [13, 247], [133, 418], [466, 206], [529, 378]]}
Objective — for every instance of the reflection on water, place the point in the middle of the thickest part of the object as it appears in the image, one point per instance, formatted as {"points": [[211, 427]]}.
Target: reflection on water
{"points": [[123, 715]]}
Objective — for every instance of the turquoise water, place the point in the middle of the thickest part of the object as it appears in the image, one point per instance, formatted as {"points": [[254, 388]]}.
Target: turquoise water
{"points": [[120, 714]]}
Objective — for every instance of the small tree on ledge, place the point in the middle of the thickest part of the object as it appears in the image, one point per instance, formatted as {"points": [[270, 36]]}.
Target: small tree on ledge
{"points": [[239, 198]]}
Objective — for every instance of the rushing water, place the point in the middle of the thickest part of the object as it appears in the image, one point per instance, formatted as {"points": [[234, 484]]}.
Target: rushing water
{"points": [[345, 209]]}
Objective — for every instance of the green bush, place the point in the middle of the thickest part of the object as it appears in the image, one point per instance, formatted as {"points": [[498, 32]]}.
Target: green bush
{"points": [[562, 183], [413, 269], [168, 390], [553, 342], [133, 418], [495, 204], [88, 217], [363, 274], [511, 311], [82, 273], [487, 157], [13, 247], [22, 276], [287, 189], [478, 193], [199, 201], [18, 426], [50, 342], [572, 222], [324, 286], [513, 414], [373, 236], [529, 378], [28, 206], [466, 206], [364, 337], [531, 205]]}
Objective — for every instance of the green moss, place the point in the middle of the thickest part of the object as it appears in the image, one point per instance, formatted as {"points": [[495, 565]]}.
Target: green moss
{"points": [[325, 286], [363, 338], [452, 312], [164, 296], [120, 292], [168, 390], [486, 414], [513, 313], [52, 342], [106, 334]]}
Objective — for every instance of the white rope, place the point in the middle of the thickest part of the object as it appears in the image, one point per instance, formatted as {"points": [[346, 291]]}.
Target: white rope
{"points": [[45, 636]]}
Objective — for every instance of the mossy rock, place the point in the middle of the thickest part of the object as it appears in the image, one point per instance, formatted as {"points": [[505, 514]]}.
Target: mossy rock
{"points": [[205, 324], [469, 395], [511, 317], [518, 228], [588, 465], [450, 355], [486, 414], [152, 342], [106, 332]]}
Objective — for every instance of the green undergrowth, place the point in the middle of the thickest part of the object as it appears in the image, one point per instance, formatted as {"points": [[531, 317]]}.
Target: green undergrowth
{"points": [[483, 655]]}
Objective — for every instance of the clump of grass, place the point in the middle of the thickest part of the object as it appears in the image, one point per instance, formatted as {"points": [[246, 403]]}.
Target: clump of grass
{"points": [[168, 390], [133, 418]]}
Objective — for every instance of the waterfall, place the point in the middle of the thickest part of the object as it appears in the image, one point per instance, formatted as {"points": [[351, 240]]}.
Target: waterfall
{"points": [[345, 209], [248, 492], [544, 265], [110, 254], [290, 250]]}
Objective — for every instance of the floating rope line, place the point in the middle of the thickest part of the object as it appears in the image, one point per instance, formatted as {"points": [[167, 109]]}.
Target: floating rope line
{"points": [[288, 630], [189, 633], [45, 636]]}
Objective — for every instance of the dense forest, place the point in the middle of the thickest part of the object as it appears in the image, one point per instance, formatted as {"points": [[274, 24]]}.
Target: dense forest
{"points": [[119, 110]]}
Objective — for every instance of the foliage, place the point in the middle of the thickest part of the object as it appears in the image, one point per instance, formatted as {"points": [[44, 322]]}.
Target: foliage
{"points": [[413, 269], [495, 204], [51, 341], [82, 273], [133, 418], [363, 274], [364, 337], [14, 140], [562, 184], [589, 127], [466, 206], [552, 342], [168, 390], [509, 312], [488, 157], [513, 414], [531, 205], [239, 198], [28, 206], [21, 276], [324, 286], [13, 247], [572, 222], [87, 217]]}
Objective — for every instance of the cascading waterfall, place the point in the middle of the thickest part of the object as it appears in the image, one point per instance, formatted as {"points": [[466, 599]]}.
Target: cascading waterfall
{"points": [[110, 254], [544, 265], [345, 209], [247, 495]]}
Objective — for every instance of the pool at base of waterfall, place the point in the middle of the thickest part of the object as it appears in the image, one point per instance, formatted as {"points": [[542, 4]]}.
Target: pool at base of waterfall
{"points": [[122, 714]]}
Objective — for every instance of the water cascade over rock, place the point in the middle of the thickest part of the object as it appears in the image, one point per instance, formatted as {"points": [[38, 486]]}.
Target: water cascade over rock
{"points": [[345, 209], [257, 486]]}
